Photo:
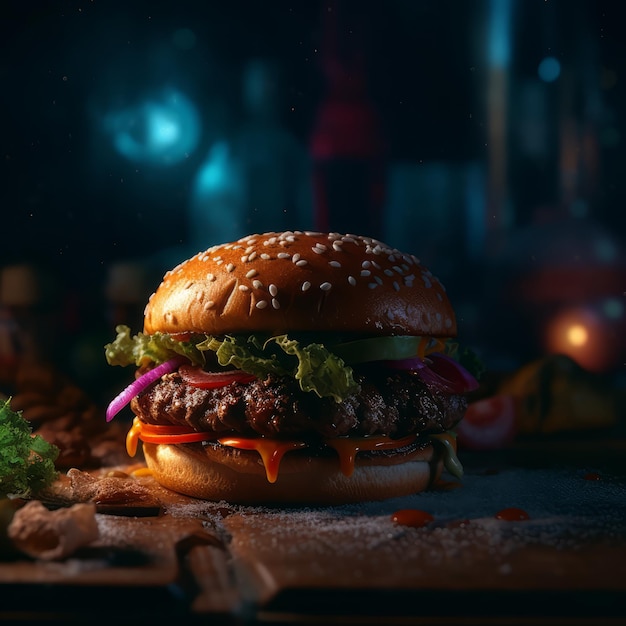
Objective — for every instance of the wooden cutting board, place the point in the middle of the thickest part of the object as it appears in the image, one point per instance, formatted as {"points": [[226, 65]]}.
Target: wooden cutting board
{"points": [[566, 561]]}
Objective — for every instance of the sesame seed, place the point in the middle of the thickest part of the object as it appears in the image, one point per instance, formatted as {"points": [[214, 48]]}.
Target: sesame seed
{"points": [[325, 286], [265, 256], [352, 280], [257, 284], [244, 259], [230, 267], [302, 263], [372, 285], [273, 289], [388, 273], [396, 286], [366, 264], [261, 304], [378, 279], [209, 305], [337, 246], [334, 263], [295, 258], [318, 250], [210, 277], [365, 272], [284, 255], [275, 303], [251, 274], [188, 284], [306, 285], [244, 288]]}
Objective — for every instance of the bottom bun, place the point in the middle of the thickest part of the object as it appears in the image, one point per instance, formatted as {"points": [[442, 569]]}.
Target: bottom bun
{"points": [[218, 473]]}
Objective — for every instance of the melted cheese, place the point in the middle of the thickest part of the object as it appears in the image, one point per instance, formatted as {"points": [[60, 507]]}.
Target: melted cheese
{"points": [[132, 437]]}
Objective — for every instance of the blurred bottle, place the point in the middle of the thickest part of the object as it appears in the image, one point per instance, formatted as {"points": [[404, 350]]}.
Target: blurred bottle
{"points": [[256, 178], [348, 144]]}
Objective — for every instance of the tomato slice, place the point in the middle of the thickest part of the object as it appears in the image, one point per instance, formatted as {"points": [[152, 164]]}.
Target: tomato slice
{"points": [[197, 377], [488, 424]]}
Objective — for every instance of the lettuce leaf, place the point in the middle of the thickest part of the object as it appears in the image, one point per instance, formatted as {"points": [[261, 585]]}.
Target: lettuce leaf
{"points": [[315, 368], [142, 349], [312, 365]]}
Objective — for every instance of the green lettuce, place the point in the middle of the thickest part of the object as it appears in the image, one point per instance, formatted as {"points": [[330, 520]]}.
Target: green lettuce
{"points": [[26, 460], [142, 349], [311, 364]]}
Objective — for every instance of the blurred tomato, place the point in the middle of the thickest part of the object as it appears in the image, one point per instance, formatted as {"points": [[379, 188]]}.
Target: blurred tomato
{"points": [[488, 424]]}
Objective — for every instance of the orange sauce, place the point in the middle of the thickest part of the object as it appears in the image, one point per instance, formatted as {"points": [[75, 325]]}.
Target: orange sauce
{"points": [[592, 476], [512, 514], [347, 447], [412, 517], [271, 451]]}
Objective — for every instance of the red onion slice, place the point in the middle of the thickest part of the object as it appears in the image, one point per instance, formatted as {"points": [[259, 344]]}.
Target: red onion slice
{"points": [[141, 383], [440, 371]]}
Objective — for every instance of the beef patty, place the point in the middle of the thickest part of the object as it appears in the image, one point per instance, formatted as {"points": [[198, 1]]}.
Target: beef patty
{"points": [[388, 403]]}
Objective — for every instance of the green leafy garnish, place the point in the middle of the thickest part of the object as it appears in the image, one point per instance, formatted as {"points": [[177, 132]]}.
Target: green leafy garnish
{"points": [[142, 349], [314, 367], [26, 460]]}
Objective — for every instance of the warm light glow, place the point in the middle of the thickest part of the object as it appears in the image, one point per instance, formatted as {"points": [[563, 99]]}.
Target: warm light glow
{"points": [[577, 335], [585, 335]]}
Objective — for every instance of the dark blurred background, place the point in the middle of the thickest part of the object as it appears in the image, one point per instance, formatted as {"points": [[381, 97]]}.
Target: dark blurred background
{"points": [[487, 137]]}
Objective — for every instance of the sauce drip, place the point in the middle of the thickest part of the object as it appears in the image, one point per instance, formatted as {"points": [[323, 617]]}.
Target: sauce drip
{"points": [[347, 448], [271, 451], [412, 517], [512, 514], [592, 476]]}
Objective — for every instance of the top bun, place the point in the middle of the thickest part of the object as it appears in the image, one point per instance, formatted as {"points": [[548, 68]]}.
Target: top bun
{"points": [[301, 281]]}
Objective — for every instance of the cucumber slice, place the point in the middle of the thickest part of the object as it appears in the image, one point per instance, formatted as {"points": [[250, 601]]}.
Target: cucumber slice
{"points": [[378, 348]]}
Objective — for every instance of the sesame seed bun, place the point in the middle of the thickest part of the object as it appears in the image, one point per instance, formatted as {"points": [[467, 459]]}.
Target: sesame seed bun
{"points": [[296, 281], [222, 473]]}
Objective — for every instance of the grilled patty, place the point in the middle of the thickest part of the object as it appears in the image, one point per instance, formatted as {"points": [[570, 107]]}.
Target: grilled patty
{"points": [[388, 403]]}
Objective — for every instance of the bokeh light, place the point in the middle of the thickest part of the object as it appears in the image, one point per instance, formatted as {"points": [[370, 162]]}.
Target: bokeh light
{"points": [[549, 69], [585, 335], [160, 130]]}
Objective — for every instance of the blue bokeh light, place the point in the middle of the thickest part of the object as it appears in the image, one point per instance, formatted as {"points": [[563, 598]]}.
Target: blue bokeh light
{"points": [[160, 130], [549, 69]]}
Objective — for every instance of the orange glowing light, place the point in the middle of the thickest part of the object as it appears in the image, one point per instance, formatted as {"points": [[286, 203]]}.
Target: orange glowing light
{"points": [[583, 335], [577, 335]]}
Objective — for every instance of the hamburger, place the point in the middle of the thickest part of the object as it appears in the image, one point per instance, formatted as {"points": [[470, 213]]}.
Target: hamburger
{"points": [[296, 367]]}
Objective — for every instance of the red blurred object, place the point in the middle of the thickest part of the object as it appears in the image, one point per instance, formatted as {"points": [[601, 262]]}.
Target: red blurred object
{"points": [[488, 424], [348, 144]]}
